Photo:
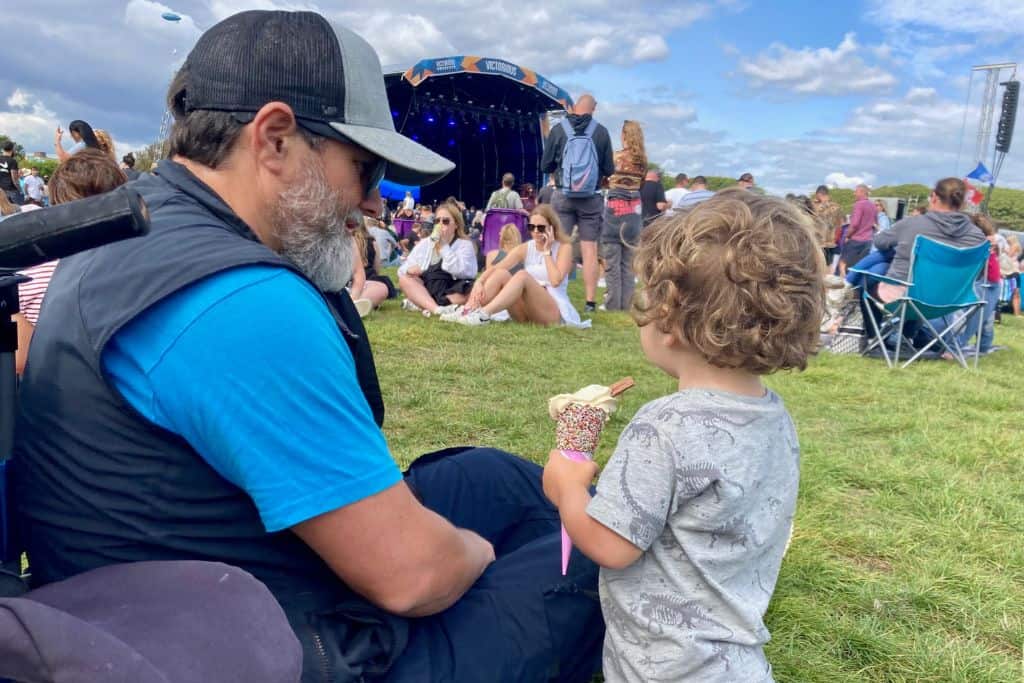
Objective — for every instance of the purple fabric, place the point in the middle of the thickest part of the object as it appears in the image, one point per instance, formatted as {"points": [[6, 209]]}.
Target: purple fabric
{"points": [[862, 221], [495, 220], [403, 226], [149, 622]]}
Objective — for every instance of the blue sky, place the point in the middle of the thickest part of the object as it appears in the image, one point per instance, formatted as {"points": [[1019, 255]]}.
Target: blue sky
{"points": [[796, 94]]}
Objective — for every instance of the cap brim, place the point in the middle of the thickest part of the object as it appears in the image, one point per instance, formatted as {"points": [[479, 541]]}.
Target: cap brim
{"points": [[409, 163]]}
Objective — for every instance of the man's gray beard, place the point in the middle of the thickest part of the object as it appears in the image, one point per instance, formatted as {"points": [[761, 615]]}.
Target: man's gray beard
{"points": [[309, 220]]}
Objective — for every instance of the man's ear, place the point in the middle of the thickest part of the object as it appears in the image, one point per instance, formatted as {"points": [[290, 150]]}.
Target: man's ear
{"points": [[273, 135]]}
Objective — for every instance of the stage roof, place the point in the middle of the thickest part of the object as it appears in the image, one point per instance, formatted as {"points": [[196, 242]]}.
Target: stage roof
{"points": [[533, 92], [484, 114]]}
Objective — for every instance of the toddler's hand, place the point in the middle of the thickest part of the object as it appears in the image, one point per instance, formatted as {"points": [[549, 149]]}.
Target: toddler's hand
{"points": [[561, 474]]}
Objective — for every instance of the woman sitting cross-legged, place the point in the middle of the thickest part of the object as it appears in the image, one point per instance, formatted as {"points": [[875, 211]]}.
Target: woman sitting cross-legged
{"points": [[439, 272], [535, 294]]}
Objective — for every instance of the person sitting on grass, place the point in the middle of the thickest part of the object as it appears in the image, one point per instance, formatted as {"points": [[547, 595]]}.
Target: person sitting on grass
{"points": [[692, 513], [508, 239], [535, 294], [368, 288], [439, 272]]}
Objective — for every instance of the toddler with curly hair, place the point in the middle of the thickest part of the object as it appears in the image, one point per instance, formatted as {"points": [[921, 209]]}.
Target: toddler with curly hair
{"points": [[693, 511]]}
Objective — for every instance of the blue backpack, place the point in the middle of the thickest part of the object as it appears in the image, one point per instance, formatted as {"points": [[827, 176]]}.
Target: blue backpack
{"points": [[580, 171]]}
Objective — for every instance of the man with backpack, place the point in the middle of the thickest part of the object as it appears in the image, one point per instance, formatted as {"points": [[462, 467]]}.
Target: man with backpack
{"points": [[505, 197], [578, 151]]}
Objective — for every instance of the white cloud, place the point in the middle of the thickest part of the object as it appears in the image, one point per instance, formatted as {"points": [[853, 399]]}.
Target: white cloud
{"points": [[411, 37], [18, 99], [32, 124], [555, 37], [840, 179], [650, 48], [821, 71], [992, 16]]}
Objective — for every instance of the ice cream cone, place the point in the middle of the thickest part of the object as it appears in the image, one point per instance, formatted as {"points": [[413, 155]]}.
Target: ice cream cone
{"points": [[579, 420]]}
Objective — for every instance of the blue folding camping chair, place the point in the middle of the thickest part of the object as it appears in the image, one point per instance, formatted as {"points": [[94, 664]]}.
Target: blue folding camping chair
{"points": [[941, 283]]}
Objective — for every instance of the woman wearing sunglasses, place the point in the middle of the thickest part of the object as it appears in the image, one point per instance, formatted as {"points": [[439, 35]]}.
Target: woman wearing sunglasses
{"points": [[535, 294], [439, 272]]}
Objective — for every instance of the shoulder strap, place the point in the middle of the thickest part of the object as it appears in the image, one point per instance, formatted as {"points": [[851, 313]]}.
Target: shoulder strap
{"points": [[591, 128], [569, 132]]}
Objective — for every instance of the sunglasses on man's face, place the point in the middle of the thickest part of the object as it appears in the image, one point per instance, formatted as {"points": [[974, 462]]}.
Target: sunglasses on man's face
{"points": [[536, 227], [371, 173]]}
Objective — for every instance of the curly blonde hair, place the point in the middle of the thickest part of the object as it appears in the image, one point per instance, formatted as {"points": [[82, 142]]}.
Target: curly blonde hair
{"points": [[739, 279], [106, 143]]}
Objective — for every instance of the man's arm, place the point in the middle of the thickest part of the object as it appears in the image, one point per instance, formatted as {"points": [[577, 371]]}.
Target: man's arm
{"points": [[301, 443], [552, 149], [662, 201], [607, 155], [410, 560], [888, 239], [860, 218]]}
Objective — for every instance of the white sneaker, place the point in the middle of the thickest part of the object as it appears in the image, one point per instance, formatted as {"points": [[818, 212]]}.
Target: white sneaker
{"points": [[474, 318], [445, 310], [410, 306], [364, 306], [454, 315], [426, 313], [833, 281]]}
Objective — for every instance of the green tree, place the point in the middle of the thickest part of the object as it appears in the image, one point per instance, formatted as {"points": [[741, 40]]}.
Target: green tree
{"points": [[146, 158], [46, 166], [718, 182], [19, 151]]}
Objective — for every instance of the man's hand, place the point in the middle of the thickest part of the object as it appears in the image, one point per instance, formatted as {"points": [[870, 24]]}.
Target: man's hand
{"points": [[562, 474]]}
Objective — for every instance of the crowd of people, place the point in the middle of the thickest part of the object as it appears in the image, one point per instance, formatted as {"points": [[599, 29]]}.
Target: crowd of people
{"points": [[208, 424]]}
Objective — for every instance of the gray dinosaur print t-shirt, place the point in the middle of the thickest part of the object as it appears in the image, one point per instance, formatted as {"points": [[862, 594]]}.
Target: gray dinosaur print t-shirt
{"points": [[705, 484]]}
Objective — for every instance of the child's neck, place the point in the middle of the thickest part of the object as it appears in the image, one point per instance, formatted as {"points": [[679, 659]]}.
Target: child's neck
{"points": [[696, 373]]}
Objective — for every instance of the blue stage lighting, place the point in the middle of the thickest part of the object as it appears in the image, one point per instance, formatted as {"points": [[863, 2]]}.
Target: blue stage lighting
{"points": [[451, 142], [430, 118], [394, 114], [483, 127], [451, 123]]}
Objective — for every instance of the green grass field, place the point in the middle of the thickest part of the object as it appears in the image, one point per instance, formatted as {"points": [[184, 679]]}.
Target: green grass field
{"points": [[907, 561]]}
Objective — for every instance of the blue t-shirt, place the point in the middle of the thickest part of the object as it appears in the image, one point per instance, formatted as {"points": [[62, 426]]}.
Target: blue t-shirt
{"points": [[249, 367]]}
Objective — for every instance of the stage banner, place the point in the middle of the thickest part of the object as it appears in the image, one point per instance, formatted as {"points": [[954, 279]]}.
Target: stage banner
{"points": [[445, 66]]}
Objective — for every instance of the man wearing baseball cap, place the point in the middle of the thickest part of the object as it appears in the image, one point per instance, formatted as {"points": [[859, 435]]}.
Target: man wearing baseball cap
{"points": [[208, 392]]}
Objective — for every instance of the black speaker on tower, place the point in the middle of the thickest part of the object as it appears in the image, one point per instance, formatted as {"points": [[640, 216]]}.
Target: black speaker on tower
{"points": [[1004, 133]]}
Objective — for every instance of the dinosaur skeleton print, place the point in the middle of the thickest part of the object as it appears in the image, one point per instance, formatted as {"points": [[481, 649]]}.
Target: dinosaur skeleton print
{"points": [[705, 484]]}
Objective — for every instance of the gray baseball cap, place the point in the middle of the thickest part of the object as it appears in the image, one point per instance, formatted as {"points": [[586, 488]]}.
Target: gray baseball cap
{"points": [[328, 75]]}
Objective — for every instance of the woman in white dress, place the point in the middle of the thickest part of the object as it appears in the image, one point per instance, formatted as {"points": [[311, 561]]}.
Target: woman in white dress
{"points": [[537, 293]]}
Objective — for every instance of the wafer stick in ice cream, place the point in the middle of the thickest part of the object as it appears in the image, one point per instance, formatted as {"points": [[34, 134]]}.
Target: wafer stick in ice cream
{"points": [[579, 419]]}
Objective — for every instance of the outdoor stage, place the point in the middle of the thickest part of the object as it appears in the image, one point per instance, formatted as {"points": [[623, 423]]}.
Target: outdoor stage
{"points": [[487, 115]]}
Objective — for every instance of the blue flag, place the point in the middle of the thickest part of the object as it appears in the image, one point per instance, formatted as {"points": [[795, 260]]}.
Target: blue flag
{"points": [[981, 174]]}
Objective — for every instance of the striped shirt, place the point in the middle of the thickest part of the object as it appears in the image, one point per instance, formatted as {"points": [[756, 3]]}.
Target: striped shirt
{"points": [[693, 198], [30, 294]]}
